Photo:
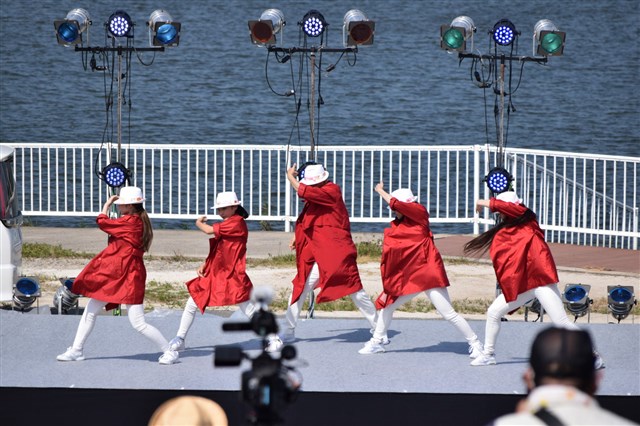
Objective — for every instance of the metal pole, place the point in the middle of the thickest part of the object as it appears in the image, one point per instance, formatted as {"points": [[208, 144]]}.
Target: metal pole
{"points": [[312, 106], [119, 136]]}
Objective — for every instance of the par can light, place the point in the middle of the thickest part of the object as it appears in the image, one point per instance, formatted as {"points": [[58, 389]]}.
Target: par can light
{"points": [[120, 24], [313, 24], [69, 30], [621, 301], [504, 32], [498, 180], [25, 292], [576, 299], [163, 30], [263, 31], [115, 175], [357, 28]]}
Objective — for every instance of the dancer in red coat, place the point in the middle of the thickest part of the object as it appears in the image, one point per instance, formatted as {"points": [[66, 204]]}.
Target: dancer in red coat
{"points": [[222, 279], [524, 268], [325, 252], [117, 275], [411, 264]]}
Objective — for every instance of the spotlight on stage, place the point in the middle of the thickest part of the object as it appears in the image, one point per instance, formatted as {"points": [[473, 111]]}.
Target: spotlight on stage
{"points": [[120, 24], [453, 37], [115, 175], [65, 299], [576, 299], [69, 30], [534, 306], [313, 24], [25, 292], [357, 29], [504, 32], [498, 180], [263, 31], [163, 31], [547, 40], [621, 301]]}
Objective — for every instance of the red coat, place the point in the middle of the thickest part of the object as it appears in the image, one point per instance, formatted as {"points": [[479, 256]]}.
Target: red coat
{"points": [[521, 257], [225, 282], [323, 236], [410, 260], [117, 274]]}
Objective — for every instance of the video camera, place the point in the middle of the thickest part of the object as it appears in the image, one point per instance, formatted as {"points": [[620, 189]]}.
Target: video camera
{"points": [[270, 384]]}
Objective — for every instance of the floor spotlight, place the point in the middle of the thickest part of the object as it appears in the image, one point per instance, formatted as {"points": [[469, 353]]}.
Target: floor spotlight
{"points": [[120, 24], [534, 306], [357, 29], [455, 35], [313, 24], [621, 301], [504, 32], [547, 40], [163, 31], [576, 299], [498, 180], [69, 30], [263, 31], [115, 175], [65, 299], [25, 292]]}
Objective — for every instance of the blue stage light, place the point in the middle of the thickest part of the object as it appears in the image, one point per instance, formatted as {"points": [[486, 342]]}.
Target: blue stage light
{"points": [[164, 31], [65, 299], [25, 292], [621, 301], [120, 24], [69, 30], [498, 180], [504, 32], [313, 24], [115, 174], [576, 299]]}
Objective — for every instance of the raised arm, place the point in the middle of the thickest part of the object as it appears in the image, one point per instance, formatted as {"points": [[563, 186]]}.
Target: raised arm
{"points": [[379, 188]]}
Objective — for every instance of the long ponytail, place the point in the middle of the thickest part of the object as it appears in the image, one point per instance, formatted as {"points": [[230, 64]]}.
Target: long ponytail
{"points": [[147, 229], [482, 242]]}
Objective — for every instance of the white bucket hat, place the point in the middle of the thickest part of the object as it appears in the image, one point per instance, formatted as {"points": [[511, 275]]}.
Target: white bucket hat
{"points": [[314, 174], [130, 195], [509, 197], [405, 195], [226, 199]]}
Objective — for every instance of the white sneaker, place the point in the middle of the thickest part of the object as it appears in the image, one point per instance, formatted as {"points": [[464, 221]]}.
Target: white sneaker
{"points": [[71, 355], [176, 344], [274, 344], [484, 359], [373, 346], [475, 349], [599, 362], [169, 357]]}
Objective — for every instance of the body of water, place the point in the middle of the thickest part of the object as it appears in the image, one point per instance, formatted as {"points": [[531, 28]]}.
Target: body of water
{"points": [[402, 90]]}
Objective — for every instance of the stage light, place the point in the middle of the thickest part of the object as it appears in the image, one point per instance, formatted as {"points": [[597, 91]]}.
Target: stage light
{"points": [[621, 301], [576, 299], [69, 30], [163, 31], [120, 24], [65, 299], [263, 31], [534, 306], [498, 180], [504, 32], [25, 292], [313, 24], [357, 29], [455, 35], [547, 40], [115, 174]]}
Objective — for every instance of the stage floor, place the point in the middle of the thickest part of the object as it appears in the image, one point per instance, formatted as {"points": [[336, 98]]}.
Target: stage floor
{"points": [[425, 356]]}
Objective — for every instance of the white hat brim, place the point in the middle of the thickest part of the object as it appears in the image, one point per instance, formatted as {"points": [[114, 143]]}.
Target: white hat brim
{"points": [[324, 176]]}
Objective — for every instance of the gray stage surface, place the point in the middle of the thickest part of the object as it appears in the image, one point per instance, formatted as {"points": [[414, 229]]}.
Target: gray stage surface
{"points": [[425, 356]]}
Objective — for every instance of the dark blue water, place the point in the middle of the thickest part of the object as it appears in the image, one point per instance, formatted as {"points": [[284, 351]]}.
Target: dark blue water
{"points": [[402, 90]]}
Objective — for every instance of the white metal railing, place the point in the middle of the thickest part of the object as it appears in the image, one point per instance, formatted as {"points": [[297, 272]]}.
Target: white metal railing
{"points": [[581, 199]]}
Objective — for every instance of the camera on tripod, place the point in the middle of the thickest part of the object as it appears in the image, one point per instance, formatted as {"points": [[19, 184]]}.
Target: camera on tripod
{"points": [[271, 384]]}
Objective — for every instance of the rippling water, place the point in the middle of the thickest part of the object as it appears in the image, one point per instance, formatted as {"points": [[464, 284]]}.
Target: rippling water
{"points": [[402, 90]]}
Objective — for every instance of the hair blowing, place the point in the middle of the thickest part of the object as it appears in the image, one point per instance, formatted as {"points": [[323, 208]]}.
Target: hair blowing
{"points": [[147, 230], [482, 242]]}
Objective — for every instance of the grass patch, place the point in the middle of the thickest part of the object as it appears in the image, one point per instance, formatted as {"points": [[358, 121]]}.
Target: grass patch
{"points": [[166, 294], [42, 250]]}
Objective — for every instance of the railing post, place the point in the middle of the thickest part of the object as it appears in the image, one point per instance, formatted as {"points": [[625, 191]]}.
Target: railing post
{"points": [[287, 206], [635, 227], [476, 188]]}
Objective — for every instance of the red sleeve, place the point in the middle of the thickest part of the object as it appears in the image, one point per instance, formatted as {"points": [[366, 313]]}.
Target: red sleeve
{"points": [[511, 210], [232, 227], [113, 227], [319, 195], [414, 211]]}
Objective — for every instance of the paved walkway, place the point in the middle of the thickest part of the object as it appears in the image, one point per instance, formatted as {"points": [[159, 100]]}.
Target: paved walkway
{"points": [[263, 244]]}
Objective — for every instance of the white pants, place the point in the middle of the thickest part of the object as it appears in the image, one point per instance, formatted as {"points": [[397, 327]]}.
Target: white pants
{"points": [[136, 318], [440, 298], [360, 299], [191, 308], [550, 300]]}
